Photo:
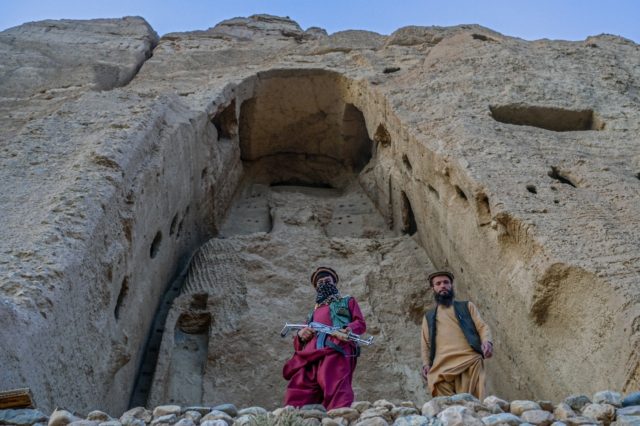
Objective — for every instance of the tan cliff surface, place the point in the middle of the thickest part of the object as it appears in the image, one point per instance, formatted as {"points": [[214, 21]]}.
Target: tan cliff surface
{"points": [[516, 164]]}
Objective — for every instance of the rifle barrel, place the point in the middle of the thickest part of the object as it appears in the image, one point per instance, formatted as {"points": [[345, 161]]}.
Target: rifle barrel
{"points": [[323, 328]]}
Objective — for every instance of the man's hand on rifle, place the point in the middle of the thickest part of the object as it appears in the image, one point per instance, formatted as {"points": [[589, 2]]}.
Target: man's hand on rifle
{"points": [[305, 334], [343, 334]]}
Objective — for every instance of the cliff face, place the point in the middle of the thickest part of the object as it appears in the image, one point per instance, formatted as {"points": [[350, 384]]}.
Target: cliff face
{"points": [[515, 164]]}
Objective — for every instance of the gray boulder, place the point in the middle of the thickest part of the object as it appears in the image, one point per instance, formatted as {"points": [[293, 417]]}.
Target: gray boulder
{"points": [[633, 410], [576, 402], [608, 397], [61, 418], [459, 416], [21, 417], [537, 417], [518, 407], [504, 419], [230, 409], [411, 420], [631, 399]]}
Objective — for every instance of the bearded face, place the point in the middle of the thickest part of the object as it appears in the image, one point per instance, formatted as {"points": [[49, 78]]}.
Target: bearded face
{"points": [[442, 290], [445, 297]]}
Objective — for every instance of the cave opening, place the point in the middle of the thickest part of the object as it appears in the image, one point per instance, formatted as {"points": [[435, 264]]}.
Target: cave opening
{"points": [[124, 290], [298, 128], [155, 245], [461, 193], [406, 162], [382, 135], [561, 177], [226, 122], [409, 225]]}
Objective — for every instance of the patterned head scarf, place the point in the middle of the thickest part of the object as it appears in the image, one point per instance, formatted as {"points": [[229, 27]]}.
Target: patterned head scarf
{"points": [[326, 292]]}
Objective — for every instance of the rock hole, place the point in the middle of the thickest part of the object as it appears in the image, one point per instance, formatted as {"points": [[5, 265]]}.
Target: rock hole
{"points": [[354, 134], [638, 175], [269, 221], [391, 70], [297, 182], [194, 323], [174, 224], [461, 193], [127, 229], [549, 118], [189, 356], [179, 231], [554, 173], [155, 245], [124, 289], [481, 37], [226, 122], [532, 189], [203, 173], [406, 162], [483, 208], [434, 191], [409, 225], [382, 136], [199, 301]]}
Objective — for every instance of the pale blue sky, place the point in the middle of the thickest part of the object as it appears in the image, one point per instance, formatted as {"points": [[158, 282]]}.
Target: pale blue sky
{"points": [[528, 19]]}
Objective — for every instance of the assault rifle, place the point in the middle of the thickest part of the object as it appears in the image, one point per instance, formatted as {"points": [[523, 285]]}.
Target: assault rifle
{"points": [[318, 327]]}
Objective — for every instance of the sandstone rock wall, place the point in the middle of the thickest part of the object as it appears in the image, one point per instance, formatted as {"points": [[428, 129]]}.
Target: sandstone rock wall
{"points": [[48, 63], [111, 192], [247, 286], [515, 162]]}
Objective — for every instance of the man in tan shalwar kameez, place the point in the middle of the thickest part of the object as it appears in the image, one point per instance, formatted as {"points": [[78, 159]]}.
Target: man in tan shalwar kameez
{"points": [[463, 340]]}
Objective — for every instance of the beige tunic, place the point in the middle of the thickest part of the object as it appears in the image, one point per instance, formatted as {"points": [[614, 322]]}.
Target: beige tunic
{"points": [[457, 368]]}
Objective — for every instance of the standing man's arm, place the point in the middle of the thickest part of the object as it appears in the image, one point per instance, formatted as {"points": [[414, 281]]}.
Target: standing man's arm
{"points": [[425, 346], [483, 331], [357, 324]]}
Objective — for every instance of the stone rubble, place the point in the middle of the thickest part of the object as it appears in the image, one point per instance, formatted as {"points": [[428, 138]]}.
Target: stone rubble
{"points": [[611, 409]]}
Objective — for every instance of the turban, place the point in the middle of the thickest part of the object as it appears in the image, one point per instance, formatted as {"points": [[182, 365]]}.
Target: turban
{"points": [[323, 271]]}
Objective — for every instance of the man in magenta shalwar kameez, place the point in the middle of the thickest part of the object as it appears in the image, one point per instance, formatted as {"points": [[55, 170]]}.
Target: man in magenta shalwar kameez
{"points": [[321, 369]]}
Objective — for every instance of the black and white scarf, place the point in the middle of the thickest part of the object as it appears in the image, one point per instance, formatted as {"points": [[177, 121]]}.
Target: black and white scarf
{"points": [[327, 293]]}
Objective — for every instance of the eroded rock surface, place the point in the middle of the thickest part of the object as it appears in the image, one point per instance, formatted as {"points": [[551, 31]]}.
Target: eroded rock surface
{"points": [[513, 163], [48, 63], [223, 330]]}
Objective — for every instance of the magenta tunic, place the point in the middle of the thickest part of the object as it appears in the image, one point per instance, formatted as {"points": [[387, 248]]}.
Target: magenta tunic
{"points": [[323, 376]]}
